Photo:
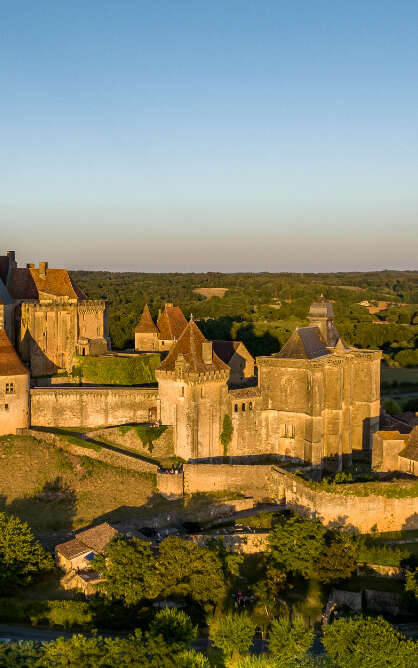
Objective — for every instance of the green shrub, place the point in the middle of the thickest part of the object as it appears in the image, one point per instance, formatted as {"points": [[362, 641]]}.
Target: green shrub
{"points": [[63, 614], [147, 435]]}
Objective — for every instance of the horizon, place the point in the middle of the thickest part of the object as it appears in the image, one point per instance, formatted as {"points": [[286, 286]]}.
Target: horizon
{"points": [[231, 137]]}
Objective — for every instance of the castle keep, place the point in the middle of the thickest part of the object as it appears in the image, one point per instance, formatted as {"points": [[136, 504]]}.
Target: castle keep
{"points": [[47, 317], [317, 401]]}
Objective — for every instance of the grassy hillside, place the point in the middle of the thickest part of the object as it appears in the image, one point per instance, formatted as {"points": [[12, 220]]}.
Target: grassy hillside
{"points": [[55, 491]]}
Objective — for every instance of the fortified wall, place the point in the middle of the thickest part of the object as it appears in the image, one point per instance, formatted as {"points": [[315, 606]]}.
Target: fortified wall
{"points": [[92, 406], [269, 482]]}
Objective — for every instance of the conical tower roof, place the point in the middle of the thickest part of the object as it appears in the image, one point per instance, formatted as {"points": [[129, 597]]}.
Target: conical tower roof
{"points": [[146, 324], [189, 348], [10, 363]]}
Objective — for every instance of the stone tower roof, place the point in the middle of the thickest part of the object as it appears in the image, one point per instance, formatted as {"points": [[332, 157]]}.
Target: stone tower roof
{"points": [[190, 351], [321, 309], [305, 343], [146, 324], [171, 323], [10, 363]]}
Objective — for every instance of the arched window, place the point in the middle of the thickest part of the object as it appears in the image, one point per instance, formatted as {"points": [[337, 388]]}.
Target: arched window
{"points": [[182, 390], [243, 408], [236, 408], [250, 406]]}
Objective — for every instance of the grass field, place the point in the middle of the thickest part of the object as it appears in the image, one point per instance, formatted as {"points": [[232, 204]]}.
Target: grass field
{"points": [[55, 491], [390, 375]]}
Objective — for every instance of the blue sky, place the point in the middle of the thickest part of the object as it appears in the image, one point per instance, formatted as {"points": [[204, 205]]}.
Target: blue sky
{"points": [[222, 135]]}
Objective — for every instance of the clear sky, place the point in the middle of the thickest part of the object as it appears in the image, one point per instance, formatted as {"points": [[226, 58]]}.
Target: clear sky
{"points": [[196, 135]]}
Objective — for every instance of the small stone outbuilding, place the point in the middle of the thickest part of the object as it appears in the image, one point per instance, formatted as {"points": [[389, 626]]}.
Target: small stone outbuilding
{"points": [[78, 554], [393, 451]]}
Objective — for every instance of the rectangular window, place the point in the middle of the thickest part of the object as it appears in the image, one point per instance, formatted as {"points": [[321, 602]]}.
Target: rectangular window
{"points": [[10, 388], [289, 431]]}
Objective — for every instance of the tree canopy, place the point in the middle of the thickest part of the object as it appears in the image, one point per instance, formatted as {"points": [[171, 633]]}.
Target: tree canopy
{"points": [[22, 558]]}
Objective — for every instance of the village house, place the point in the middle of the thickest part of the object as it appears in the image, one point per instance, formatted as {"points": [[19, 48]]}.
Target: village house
{"points": [[75, 557]]}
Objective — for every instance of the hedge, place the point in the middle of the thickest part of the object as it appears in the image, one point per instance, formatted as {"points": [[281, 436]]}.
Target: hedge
{"points": [[108, 370]]}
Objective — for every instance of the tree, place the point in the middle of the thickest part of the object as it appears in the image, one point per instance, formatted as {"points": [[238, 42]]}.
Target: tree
{"points": [[289, 641], [296, 544], [226, 434], [22, 558], [411, 583], [174, 626], [233, 633], [128, 570], [369, 643], [187, 569], [338, 559]]}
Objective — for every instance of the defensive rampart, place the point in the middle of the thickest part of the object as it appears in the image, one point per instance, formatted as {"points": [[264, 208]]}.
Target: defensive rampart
{"points": [[92, 406], [359, 513], [356, 513], [257, 480]]}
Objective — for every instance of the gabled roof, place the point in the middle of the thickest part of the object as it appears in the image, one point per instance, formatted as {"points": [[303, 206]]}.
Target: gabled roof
{"points": [[98, 537], [94, 539], [146, 324], [189, 347], [10, 363], [29, 283], [171, 323], [304, 343]]}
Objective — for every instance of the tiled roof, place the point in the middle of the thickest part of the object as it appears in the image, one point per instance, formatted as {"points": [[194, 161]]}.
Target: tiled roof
{"points": [[171, 323], [189, 346], [146, 324], [28, 283], [410, 451], [71, 548], [304, 343], [98, 537], [90, 539], [10, 363]]}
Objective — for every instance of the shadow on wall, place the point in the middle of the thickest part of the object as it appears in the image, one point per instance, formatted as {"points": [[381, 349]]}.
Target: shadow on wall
{"points": [[39, 362]]}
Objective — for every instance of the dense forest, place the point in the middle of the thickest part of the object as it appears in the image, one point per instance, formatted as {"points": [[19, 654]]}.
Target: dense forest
{"points": [[373, 309]]}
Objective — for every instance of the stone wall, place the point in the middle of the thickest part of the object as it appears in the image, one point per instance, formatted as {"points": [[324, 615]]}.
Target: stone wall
{"points": [[245, 543], [91, 406], [259, 481], [267, 482], [103, 455], [358, 513], [160, 445]]}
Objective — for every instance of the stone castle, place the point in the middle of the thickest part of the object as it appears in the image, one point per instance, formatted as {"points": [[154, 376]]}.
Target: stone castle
{"points": [[317, 401], [48, 318]]}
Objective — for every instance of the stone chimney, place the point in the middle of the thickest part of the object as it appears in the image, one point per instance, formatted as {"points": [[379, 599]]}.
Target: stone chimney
{"points": [[43, 267], [207, 352]]}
